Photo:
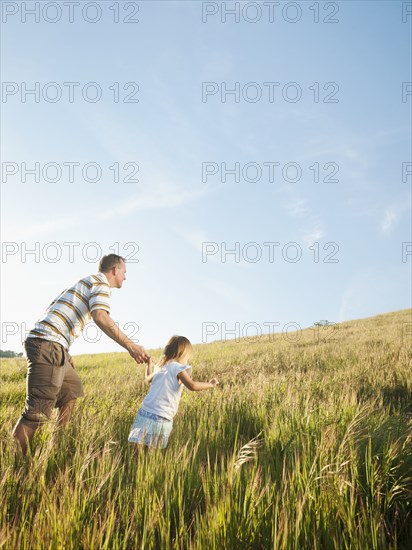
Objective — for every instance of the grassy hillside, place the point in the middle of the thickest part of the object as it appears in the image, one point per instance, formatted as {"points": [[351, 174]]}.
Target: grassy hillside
{"points": [[305, 445]]}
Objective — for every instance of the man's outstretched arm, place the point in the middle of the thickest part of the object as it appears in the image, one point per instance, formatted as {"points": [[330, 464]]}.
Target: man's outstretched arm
{"points": [[109, 327]]}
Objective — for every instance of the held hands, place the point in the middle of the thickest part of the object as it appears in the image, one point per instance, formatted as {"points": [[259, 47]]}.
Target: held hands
{"points": [[214, 382], [138, 353]]}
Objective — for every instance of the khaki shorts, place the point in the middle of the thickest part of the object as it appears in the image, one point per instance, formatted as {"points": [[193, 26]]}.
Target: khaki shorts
{"points": [[51, 380]]}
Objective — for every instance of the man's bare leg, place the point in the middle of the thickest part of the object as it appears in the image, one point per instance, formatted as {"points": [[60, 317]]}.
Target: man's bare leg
{"points": [[65, 412], [63, 416], [23, 434]]}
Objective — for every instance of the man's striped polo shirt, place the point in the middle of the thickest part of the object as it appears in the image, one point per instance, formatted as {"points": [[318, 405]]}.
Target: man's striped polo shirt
{"points": [[66, 316]]}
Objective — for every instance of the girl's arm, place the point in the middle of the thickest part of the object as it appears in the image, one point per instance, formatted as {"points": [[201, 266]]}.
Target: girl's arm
{"points": [[193, 385], [149, 371]]}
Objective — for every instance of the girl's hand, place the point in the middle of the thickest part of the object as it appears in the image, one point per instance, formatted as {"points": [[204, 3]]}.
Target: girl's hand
{"points": [[214, 382]]}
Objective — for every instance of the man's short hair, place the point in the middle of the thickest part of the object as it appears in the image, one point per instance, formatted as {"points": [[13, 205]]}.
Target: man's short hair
{"points": [[109, 261]]}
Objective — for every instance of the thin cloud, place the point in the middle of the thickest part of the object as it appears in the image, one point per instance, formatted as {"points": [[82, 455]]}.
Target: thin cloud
{"points": [[162, 195], [313, 235], [393, 214], [390, 217], [194, 238], [30, 231], [297, 207], [228, 292]]}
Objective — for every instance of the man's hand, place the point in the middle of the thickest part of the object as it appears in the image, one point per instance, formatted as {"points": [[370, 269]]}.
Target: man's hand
{"points": [[138, 353]]}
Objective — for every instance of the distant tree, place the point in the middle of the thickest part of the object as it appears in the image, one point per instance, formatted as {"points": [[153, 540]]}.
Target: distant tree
{"points": [[323, 323], [9, 354]]}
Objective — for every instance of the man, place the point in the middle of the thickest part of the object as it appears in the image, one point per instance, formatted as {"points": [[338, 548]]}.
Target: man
{"points": [[51, 377]]}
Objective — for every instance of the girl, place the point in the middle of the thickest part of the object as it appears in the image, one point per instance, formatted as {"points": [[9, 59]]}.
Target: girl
{"points": [[154, 420]]}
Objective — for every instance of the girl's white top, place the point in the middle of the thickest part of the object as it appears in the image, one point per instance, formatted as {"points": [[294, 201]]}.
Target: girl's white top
{"points": [[165, 391]]}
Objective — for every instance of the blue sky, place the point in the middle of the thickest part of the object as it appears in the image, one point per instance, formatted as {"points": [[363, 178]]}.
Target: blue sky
{"points": [[170, 132]]}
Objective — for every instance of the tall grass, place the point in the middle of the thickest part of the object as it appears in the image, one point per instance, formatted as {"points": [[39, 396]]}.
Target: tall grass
{"points": [[305, 445]]}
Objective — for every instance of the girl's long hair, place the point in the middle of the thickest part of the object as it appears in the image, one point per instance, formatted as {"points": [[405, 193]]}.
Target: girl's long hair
{"points": [[176, 347]]}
